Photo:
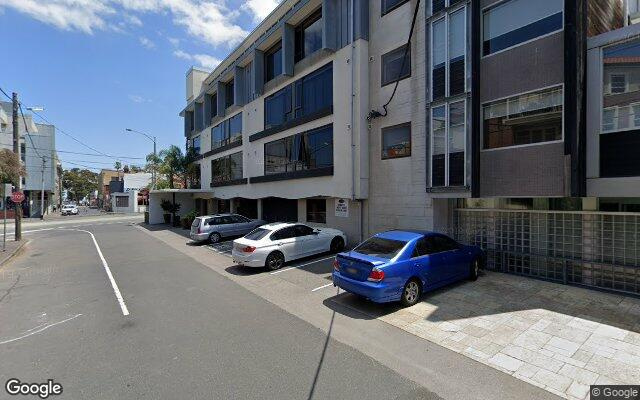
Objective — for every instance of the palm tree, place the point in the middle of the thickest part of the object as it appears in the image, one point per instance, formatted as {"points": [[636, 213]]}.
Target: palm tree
{"points": [[172, 163]]}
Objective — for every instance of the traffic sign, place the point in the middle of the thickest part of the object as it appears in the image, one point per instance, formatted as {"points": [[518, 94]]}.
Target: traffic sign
{"points": [[17, 197]]}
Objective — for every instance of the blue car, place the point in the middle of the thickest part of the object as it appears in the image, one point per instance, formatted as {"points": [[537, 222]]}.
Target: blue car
{"points": [[401, 265]]}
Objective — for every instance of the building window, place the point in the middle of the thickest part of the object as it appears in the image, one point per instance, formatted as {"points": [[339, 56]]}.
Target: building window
{"points": [[390, 5], [214, 108], [309, 36], [195, 144], [227, 132], [448, 57], [448, 144], [229, 89], [317, 211], [438, 59], [313, 93], [618, 83], [514, 22], [122, 201], [392, 62], [23, 152], [227, 168], [248, 80], [437, 6], [525, 119], [396, 141], [273, 62], [621, 87], [303, 151]]}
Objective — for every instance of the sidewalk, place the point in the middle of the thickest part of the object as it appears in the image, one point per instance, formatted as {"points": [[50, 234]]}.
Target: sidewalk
{"points": [[557, 337], [12, 249]]}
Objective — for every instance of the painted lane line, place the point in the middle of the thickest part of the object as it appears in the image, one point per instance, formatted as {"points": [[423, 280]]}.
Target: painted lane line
{"points": [[322, 287], [300, 266], [40, 330], [116, 290]]}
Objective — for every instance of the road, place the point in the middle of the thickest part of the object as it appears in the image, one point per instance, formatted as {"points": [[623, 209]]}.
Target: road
{"points": [[151, 322]]}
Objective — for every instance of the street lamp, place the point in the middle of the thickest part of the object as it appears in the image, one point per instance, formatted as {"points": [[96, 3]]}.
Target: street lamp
{"points": [[153, 139]]}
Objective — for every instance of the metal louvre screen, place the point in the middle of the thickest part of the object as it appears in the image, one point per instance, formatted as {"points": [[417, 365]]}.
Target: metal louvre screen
{"points": [[594, 249]]}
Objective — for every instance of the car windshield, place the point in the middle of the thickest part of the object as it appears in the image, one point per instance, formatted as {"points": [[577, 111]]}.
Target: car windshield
{"points": [[257, 234], [380, 247]]}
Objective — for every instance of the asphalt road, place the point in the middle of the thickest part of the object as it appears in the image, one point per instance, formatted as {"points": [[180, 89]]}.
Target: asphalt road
{"points": [[190, 334]]}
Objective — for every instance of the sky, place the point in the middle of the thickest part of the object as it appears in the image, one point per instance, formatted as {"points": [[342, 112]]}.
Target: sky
{"points": [[100, 66]]}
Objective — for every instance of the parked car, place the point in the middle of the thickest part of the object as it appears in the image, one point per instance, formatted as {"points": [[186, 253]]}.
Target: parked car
{"points": [[69, 209], [216, 227], [274, 244], [401, 265]]}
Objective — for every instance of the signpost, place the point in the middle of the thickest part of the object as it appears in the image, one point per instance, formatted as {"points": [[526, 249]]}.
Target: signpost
{"points": [[17, 197]]}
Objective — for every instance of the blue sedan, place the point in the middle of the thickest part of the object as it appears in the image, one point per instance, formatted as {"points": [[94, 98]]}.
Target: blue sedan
{"points": [[401, 265]]}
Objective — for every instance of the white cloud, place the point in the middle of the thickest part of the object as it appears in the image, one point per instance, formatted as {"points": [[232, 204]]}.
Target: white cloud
{"points": [[132, 20], [174, 41], [81, 15], [138, 99], [146, 42], [208, 20], [260, 9], [203, 60]]}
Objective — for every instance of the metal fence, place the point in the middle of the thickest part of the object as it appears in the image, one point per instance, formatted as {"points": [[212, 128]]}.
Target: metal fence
{"points": [[595, 249]]}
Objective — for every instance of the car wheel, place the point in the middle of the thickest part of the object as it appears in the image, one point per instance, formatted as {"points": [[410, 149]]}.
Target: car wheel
{"points": [[214, 237], [337, 244], [274, 261], [411, 293], [474, 270]]}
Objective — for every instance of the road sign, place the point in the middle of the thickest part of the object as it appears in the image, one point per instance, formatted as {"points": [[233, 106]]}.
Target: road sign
{"points": [[17, 197]]}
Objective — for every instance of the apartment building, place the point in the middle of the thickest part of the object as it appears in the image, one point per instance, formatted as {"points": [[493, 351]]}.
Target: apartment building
{"points": [[507, 123]]}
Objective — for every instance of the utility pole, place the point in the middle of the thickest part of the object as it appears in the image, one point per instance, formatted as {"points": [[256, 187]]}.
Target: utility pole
{"points": [[16, 149], [44, 161]]}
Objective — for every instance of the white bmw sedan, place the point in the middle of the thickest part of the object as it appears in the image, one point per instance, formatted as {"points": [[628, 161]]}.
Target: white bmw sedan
{"points": [[274, 244]]}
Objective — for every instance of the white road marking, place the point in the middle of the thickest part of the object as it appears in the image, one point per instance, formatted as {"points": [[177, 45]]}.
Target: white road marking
{"points": [[33, 332], [300, 266], [322, 287]]}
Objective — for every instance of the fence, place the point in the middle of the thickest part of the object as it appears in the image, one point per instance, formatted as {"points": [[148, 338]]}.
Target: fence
{"points": [[595, 249]]}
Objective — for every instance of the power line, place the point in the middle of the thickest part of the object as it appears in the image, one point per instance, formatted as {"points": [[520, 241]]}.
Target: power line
{"points": [[81, 154], [27, 129]]}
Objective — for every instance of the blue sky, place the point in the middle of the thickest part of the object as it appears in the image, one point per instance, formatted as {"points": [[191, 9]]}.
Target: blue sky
{"points": [[100, 66]]}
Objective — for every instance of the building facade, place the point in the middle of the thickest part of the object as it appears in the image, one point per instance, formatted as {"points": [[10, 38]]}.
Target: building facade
{"points": [[506, 123]]}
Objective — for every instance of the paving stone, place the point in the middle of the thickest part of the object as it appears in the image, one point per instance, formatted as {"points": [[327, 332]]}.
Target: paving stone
{"points": [[614, 369], [526, 371], [449, 327], [611, 331], [627, 358], [532, 339], [572, 334], [583, 324], [541, 325], [552, 380], [533, 358], [569, 360], [633, 338], [562, 346], [578, 390], [475, 331], [505, 362], [579, 374], [458, 336]]}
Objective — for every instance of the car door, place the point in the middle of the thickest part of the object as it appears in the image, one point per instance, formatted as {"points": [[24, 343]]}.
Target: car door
{"points": [[450, 250], [227, 226], [242, 225], [285, 241], [306, 241], [430, 261]]}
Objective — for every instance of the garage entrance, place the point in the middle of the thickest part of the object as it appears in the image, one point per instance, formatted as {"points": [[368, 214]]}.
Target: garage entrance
{"points": [[276, 209], [247, 207]]}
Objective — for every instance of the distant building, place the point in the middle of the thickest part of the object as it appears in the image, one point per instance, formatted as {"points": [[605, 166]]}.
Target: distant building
{"points": [[38, 153]]}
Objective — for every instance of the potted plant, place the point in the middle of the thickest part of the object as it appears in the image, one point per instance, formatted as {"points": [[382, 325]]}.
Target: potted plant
{"points": [[187, 219], [167, 207]]}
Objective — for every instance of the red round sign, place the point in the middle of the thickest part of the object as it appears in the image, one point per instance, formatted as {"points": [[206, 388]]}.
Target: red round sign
{"points": [[17, 197]]}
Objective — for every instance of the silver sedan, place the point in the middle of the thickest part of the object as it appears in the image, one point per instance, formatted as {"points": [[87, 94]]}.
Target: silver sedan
{"points": [[216, 227]]}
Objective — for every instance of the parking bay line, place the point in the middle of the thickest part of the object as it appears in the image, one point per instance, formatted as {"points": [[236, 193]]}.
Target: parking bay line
{"points": [[300, 266], [322, 287]]}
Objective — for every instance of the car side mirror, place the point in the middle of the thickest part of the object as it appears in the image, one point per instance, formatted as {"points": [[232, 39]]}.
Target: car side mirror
{"points": [[315, 232]]}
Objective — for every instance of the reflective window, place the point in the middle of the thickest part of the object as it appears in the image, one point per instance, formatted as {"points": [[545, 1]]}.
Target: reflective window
{"points": [[309, 36], [310, 94], [390, 5], [228, 168], [273, 62], [517, 21], [448, 139], [529, 118], [457, 51], [392, 63], [621, 87], [227, 132], [456, 144], [438, 146], [396, 141], [195, 144], [304, 151], [439, 59], [317, 210], [229, 94]]}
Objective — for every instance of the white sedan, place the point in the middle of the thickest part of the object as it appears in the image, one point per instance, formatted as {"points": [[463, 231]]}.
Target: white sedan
{"points": [[274, 244], [69, 209]]}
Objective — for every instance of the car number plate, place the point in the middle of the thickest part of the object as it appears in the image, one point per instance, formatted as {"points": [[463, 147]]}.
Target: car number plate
{"points": [[352, 271]]}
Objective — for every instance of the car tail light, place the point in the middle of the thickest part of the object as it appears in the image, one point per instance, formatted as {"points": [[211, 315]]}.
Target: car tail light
{"points": [[336, 265], [249, 249], [376, 275]]}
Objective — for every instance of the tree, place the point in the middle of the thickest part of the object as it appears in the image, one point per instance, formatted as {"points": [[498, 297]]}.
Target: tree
{"points": [[172, 164], [126, 169], [11, 169], [117, 165], [79, 183], [190, 169]]}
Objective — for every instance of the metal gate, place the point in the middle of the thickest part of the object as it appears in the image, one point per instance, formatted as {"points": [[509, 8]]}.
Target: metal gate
{"points": [[594, 249]]}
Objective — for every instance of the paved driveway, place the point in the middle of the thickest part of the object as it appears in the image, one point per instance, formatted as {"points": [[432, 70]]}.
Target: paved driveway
{"points": [[557, 337]]}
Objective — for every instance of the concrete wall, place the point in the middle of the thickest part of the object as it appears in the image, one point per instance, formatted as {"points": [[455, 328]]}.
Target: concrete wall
{"points": [[398, 197], [133, 202]]}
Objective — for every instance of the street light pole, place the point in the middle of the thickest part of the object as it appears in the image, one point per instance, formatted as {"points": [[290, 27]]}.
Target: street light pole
{"points": [[155, 154]]}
